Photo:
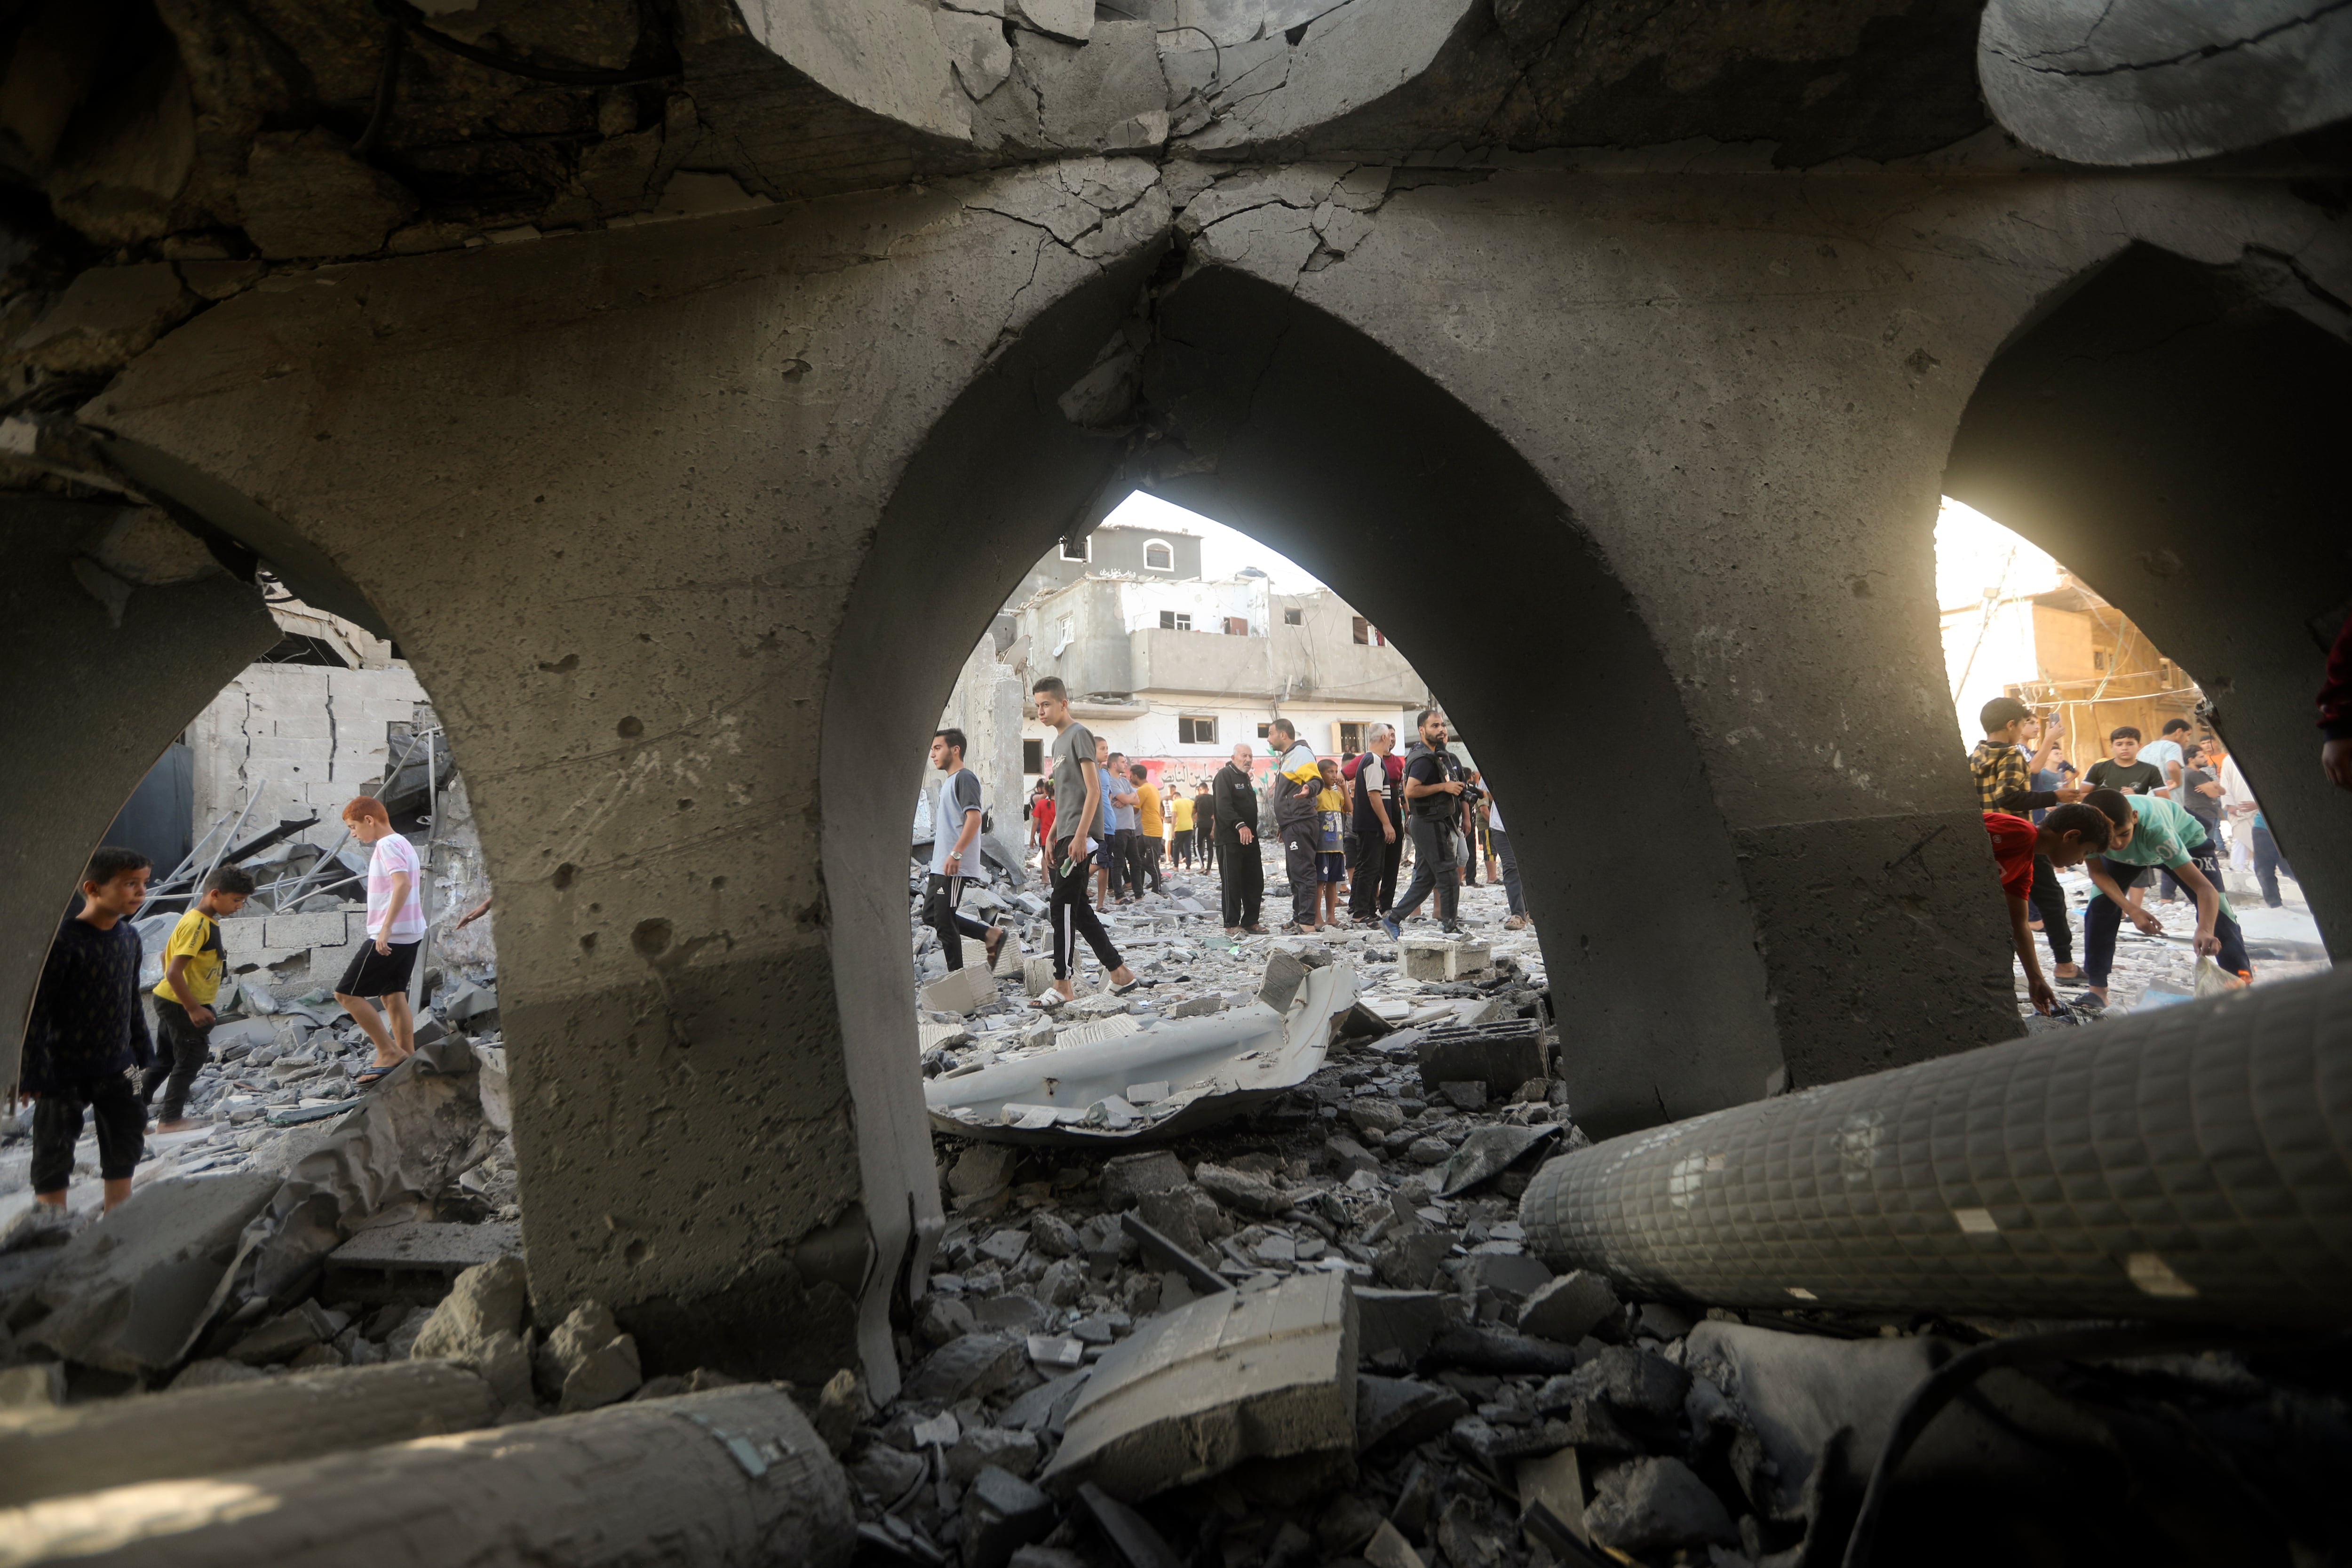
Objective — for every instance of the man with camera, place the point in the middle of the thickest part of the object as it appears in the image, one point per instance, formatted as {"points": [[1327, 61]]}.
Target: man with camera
{"points": [[1297, 781], [1432, 803]]}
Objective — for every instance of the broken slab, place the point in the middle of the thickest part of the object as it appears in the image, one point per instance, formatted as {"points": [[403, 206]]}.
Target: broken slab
{"points": [[1569, 1307], [1404, 1411], [1262, 1375], [1405, 1322], [1488, 1152], [1218, 1066], [960, 991], [264, 1420], [131, 1292], [415, 1261], [730, 1476]]}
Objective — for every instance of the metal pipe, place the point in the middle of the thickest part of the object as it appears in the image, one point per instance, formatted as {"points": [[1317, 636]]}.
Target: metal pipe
{"points": [[2187, 1164]]}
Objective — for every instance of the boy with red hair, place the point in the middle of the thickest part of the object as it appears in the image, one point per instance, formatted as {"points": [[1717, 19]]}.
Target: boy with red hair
{"points": [[395, 929]]}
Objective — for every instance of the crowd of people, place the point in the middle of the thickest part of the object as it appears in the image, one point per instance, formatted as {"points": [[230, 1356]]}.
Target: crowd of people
{"points": [[2171, 807], [1104, 830]]}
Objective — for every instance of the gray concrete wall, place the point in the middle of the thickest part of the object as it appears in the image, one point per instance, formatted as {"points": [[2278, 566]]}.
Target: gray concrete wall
{"points": [[87, 707], [709, 471]]}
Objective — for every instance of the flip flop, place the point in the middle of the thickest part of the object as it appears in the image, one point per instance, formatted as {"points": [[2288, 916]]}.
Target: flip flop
{"points": [[370, 1075]]}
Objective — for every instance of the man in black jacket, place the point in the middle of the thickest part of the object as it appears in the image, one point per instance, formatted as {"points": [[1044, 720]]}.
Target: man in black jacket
{"points": [[1241, 873]]}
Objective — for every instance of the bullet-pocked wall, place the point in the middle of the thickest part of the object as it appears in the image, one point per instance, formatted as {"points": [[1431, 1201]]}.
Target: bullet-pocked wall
{"points": [[2178, 436], [622, 497]]}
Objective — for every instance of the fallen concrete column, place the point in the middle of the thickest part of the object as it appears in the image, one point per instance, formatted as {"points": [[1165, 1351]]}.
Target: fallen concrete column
{"points": [[729, 1478], [118, 1442], [2187, 1165]]}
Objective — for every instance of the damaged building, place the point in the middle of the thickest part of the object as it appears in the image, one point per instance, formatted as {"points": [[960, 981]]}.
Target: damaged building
{"points": [[681, 391]]}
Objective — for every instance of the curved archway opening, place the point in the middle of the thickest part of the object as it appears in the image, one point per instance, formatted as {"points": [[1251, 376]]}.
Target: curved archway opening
{"points": [[1261, 412], [2174, 435]]}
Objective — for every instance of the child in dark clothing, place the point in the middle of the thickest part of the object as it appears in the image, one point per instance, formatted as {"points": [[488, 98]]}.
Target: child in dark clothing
{"points": [[87, 1031]]}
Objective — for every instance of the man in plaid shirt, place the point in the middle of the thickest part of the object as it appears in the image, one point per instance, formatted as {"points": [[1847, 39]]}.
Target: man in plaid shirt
{"points": [[2004, 779]]}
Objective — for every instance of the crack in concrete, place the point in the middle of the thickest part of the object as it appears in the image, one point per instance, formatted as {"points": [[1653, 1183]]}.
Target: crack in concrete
{"points": [[2202, 52]]}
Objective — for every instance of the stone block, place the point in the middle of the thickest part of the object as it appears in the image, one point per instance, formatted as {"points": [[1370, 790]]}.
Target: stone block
{"points": [[1128, 1176], [1569, 1307], [1232, 1377], [244, 939], [960, 991], [485, 1300], [1003, 1514], [128, 1294], [1434, 958], [327, 929], [1405, 1322], [975, 1364], [1036, 976], [1512, 1276], [1502, 1054], [1344, 1156], [1650, 1507]]}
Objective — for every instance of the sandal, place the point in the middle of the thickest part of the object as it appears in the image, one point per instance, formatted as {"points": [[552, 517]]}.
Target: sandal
{"points": [[373, 1074]]}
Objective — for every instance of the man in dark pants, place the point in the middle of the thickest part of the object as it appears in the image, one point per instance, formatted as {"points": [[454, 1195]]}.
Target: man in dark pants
{"points": [[1078, 796], [1204, 828], [1432, 797], [1380, 834], [955, 854], [195, 965], [1297, 779], [2151, 831], [1243, 874], [2004, 775]]}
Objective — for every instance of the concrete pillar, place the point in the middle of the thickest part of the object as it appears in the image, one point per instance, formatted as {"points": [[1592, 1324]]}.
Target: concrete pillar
{"points": [[986, 706], [92, 699]]}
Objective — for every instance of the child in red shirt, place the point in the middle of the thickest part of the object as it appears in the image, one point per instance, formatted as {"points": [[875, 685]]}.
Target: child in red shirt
{"points": [[2069, 835]]}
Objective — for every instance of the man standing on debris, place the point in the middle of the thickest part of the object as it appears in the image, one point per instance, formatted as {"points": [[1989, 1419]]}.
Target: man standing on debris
{"points": [[2149, 830], [1078, 799], [2003, 775], [1205, 827], [1432, 798], [1111, 856], [1297, 783], [1041, 818], [1150, 831], [1379, 840], [395, 929], [1126, 852], [86, 1033], [193, 966], [1236, 818], [2067, 836], [1507, 857], [955, 847]]}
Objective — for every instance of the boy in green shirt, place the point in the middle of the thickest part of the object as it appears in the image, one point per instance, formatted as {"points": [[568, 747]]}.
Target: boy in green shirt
{"points": [[194, 967], [2150, 830]]}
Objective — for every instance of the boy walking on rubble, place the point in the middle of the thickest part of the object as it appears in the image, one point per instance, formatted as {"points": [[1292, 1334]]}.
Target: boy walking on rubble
{"points": [[396, 931], [1078, 799], [955, 850], [193, 966], [86, 1033]]}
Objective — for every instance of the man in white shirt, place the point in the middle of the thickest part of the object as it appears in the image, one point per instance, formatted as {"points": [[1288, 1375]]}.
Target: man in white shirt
{"points": [[2166, 754]]}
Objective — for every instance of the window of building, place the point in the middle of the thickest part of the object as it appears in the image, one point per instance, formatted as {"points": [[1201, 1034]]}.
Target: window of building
{"points": [[1191, 731], [1064, 629], [1033, 756], [2098, 659], [1368, 635], [1294, 617], [1237, 625], [1266, 732], [1078, 549], [1159, 555], [1175, 620], [1352, 738]]}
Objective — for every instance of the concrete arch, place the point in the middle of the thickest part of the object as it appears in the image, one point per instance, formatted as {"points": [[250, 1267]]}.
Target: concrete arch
{"points": [[1335, 451], [2178, 439]]}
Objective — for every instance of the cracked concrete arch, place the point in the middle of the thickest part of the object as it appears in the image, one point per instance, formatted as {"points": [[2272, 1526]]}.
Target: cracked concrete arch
{"points": [[2175, 437]]}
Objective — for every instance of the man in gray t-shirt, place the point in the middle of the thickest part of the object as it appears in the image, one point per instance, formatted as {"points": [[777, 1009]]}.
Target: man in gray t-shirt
{"points": [[955, 853], [1077, 827]]}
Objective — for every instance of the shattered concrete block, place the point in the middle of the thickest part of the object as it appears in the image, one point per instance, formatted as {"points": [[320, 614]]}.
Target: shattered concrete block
{"points": [[1014, 1452], [1056, 1352], [504, 1363], [1404, 1321], [1435, 958], [960, 991], [130, 1294], [1052, 1235], [1239, 1189], [1199, 1007], [977, 1364], [1624, 1400], [280, 1339], [1129, 1177], [1037, 975], [1570, 1307], [1376, 1114], [884, 1473], [1482, 1349], [1555, 1483], [1344, 1157], [1404, 1411], [982, 1170], [1003, 1514], [1512, 1276], [610, 1372], [1410, 1259], [1497, 1447], [1652, 1506], [1488, 1152], [486, 1299], [1467, 1096], [1285, 971], [1267, 1375], [325, 930], [1428, 1151]]}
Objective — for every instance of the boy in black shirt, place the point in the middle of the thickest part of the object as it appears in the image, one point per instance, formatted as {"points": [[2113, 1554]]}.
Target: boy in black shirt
{"points": [[2124, 770], [87, 1031]]}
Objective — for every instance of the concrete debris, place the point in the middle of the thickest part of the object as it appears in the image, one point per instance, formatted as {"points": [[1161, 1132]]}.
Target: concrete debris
{"points": [[200, 1430], [487, 1300], [1259, 1376], [1569, 1307], [1654, 1505], [1488, 1152]]}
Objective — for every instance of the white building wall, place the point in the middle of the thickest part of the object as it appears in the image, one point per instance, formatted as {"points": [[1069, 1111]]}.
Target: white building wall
{"points": [[305, 737]]}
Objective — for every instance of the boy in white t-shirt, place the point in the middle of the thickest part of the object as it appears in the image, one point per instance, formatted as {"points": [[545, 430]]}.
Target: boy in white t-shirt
{"points": [[395, 929]]}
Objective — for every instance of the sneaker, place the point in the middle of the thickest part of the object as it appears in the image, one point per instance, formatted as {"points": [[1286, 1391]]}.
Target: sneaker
{"points": [[1396, 934]]}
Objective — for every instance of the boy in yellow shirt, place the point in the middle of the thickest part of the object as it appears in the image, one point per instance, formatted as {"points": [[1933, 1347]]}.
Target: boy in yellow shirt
{"points": [[194, 967], [1330, 856]]}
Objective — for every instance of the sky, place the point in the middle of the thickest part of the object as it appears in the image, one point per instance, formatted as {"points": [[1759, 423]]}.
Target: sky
{"points": [[1223, 550]]}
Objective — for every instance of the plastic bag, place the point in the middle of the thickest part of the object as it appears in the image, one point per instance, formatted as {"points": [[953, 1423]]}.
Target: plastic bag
{"points": [[2212, 980]]}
